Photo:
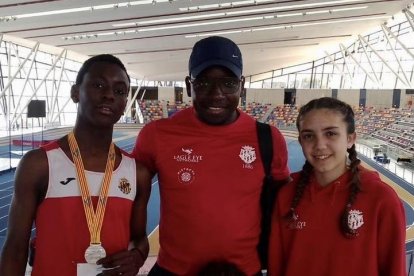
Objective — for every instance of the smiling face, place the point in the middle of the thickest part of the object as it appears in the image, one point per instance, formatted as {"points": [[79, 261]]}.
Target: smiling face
{"points": [[102, 95], [324, 139], [215, 105]]}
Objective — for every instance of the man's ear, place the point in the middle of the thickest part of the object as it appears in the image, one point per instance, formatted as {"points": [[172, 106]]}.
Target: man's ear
{"points": [[188, 86], [74, 93]]}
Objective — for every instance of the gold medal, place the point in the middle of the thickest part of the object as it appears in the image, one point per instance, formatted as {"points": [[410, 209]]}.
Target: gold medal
{"points": [[95, 251]]}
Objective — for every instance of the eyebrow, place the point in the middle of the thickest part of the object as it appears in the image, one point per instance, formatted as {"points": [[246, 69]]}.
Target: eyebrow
{"points": [[121, 82], [325, 129], [102, 78]]}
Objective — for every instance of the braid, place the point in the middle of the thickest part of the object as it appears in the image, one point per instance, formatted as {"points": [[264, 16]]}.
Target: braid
{"points": [[303, 181], [349, 118], [355, 188]]}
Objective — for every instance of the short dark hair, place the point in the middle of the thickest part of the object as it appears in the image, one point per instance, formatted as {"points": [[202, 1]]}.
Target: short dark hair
{"points": [[99, 58]]}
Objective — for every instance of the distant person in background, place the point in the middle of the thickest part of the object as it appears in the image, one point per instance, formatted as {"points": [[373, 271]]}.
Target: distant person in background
{"points": [[209, 168], [87, 197], [336, 217]]}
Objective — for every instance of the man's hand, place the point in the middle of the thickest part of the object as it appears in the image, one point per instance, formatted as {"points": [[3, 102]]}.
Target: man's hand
{"points": [[125, 263]]}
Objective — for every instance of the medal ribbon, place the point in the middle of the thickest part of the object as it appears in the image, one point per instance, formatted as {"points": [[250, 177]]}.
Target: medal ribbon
{"points": [[94, 219]]}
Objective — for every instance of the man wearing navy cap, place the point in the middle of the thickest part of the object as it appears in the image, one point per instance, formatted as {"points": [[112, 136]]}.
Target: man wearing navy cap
{"points": [[209, 168]]}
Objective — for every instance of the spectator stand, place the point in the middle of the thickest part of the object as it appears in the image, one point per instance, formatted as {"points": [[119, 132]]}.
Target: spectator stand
{"points": [[151, 110]]}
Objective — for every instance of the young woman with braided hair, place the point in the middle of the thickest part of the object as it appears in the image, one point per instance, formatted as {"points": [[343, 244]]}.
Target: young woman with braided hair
{"points": [[335, 217]]}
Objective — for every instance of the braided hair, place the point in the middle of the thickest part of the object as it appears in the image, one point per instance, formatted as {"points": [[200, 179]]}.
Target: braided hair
{"points": [[354, 187]]}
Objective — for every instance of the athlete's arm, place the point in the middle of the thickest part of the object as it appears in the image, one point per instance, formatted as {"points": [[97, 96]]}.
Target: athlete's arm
{"points": [[30, 186], [128, 262], [139, 212]]}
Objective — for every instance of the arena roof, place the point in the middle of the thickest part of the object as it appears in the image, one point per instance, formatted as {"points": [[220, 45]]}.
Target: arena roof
{"points": [[154, 37]]}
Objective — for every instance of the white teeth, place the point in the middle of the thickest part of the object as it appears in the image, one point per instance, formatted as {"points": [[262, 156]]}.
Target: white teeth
{"points": [[321, 157], [214, 108]]}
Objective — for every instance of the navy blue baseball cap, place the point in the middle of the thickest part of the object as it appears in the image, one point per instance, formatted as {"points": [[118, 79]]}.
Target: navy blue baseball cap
{"points": [[215, 51]]}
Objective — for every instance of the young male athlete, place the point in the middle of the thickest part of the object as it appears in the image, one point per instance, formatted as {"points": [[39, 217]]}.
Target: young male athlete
{"points": [[209, 168], [87, 197]]}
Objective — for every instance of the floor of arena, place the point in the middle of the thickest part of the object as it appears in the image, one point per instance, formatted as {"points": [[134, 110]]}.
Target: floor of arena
{"points": [[126, 141]]}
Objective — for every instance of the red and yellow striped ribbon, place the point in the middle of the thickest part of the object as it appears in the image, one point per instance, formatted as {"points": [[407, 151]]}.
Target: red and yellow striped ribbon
{"points": [[94, 219]]}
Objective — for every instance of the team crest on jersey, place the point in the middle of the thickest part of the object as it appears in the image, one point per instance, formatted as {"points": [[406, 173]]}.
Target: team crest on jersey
{"points": [[186, 175], [247, 155], [355, 219], [124, 186]]}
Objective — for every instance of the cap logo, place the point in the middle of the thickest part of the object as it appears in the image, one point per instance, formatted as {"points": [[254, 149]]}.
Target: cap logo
{"points": [[215, 51]]}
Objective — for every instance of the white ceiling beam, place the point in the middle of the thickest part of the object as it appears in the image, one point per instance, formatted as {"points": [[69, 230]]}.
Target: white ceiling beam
{"points": [[18, 69], [358, 63], [346, 65], [26, 81], [52, 67], [370, 63], [55, 97], [382, 59], [129, 106], [397, 58]]}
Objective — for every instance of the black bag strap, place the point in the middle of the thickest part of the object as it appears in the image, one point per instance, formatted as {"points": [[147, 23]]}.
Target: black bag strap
{"points": [[269, 189], [264, 135]]}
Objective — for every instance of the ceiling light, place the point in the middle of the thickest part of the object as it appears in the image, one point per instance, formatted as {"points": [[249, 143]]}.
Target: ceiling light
{"points": [[349, 9], [226, 5], [243, 3], [289, 14], [224, 21], [199, 24], [221, 14], [335, 10], [184, 18], [316, 12], [289, 26], [36, 14], [214, 33], [92, 8], [318, 23]]}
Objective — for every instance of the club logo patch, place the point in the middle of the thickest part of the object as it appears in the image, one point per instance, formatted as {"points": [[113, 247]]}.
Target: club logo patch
{"points": [[188, 151], [248, 156], [186, 176], [355, 219], [298, 225], [186, 155], [124, 186]]}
